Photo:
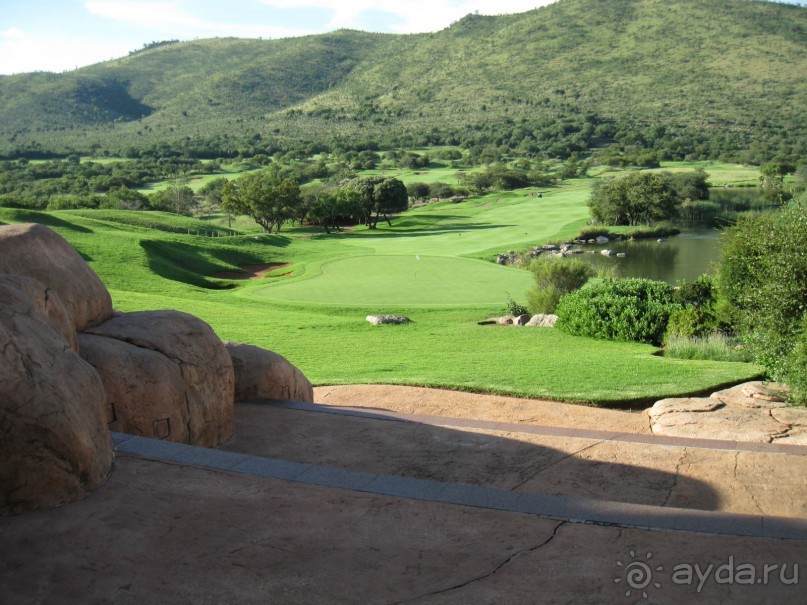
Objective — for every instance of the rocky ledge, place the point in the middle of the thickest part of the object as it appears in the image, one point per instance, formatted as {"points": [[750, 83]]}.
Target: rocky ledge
{"points": [[754, 411]]}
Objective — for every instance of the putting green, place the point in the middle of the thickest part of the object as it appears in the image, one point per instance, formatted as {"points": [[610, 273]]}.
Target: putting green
{"points": [[403, 281]]}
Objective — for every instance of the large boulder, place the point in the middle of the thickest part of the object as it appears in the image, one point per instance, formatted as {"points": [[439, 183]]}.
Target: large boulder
{"points": [[203, 363], [145, 391], [36, 251], [262, 374], [47, 302], [54, 444]]}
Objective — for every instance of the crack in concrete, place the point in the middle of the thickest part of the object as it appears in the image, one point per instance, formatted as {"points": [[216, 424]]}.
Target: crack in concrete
{"points": [[674, 484], [558, 461], [484, 576], [743, 484]]}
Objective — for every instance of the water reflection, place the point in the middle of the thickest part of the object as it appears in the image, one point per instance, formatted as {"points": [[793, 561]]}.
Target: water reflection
{"points": [[684, 256]]}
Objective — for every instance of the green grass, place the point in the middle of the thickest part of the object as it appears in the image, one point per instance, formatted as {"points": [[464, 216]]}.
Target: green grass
{"points": [[315, 315], [395, 281]]}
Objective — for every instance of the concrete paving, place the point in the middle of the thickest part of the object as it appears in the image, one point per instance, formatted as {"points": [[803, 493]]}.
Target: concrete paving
{"points": [[307, 506]]}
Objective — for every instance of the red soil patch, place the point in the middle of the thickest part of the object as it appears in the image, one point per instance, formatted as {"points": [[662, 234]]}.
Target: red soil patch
{"points": [[252, 271]]}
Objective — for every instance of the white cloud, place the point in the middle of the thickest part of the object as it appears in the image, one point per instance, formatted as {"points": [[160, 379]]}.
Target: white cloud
{"points": [[172, 20], [158, 15], [21, 52], [412, 16], [14, 33]]}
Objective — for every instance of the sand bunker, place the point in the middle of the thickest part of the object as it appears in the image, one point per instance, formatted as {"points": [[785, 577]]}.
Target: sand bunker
{"points": [[252, 271]]}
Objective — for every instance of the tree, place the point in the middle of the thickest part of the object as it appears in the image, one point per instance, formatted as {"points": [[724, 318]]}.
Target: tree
{"points": [[639, 197], [763, 276], [379, 195], [327, 207], [267, 198], [418, 191], [181, 196]]}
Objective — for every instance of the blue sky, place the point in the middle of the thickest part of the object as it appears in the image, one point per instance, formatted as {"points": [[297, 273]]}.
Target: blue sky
{"points": [[59, 35]]}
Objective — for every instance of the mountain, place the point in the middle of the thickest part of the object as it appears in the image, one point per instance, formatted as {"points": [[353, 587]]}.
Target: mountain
{"points": [[693, 77]]}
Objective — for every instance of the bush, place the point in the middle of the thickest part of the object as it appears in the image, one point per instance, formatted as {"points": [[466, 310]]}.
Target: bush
{"points": [[763, 279], [795, 374], [624, 309], [690, 322], [555, 277], [514, 308]]}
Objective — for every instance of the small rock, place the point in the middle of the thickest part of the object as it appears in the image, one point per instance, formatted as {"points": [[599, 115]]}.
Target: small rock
{"points": [[542, 320], [378, 320], [607, 252]]}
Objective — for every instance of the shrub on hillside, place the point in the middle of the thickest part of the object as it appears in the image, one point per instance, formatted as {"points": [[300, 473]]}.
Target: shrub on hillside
{"points": [[555, 277], [623, 309]]}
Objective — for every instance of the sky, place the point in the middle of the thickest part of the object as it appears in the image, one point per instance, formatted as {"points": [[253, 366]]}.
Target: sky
{"points": [[60, 35]]}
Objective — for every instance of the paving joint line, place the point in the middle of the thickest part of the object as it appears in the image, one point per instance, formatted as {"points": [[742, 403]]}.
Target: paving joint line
{"points": [[564, 508]]}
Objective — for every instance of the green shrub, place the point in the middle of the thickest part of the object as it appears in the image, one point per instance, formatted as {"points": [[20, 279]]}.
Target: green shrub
{"points": [[555, 277], [514, 308], [712, 347], [696, 316], [763, 279], [796, 367], [623, 310], [690, 322]]}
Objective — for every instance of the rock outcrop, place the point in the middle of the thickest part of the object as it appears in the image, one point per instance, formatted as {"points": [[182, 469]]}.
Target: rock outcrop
{"points": [[54, 444], [200, 358], [262, 374], [753, 411], [38, 252]]}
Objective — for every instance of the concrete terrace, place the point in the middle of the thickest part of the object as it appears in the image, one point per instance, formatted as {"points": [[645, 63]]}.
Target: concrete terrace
{"points": [[312, 503]]}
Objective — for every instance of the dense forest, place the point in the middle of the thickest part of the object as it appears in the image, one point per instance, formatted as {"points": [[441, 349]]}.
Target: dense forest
{"points": [[639, 81]]}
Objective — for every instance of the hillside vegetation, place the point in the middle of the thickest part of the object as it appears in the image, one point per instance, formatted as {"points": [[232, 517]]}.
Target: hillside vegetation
{"points": [[688, 78]]}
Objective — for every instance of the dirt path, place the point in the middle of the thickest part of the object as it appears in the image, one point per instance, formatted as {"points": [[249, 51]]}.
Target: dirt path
{"points": [[459, 404]]}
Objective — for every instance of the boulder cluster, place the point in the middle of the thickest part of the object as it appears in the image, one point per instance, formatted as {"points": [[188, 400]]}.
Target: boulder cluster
{"points": [[72, 369], [511, 257], [540, 320]]}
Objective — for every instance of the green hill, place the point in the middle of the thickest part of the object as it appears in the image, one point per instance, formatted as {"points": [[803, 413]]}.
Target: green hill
{"points": [[698, 78]]}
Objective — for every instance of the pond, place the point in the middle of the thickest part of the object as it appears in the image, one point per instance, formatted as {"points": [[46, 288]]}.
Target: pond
{"points": [[684, 256]]}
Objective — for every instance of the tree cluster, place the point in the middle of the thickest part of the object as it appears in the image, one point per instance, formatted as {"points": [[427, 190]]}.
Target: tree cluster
{"points": [[645, 197]]}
